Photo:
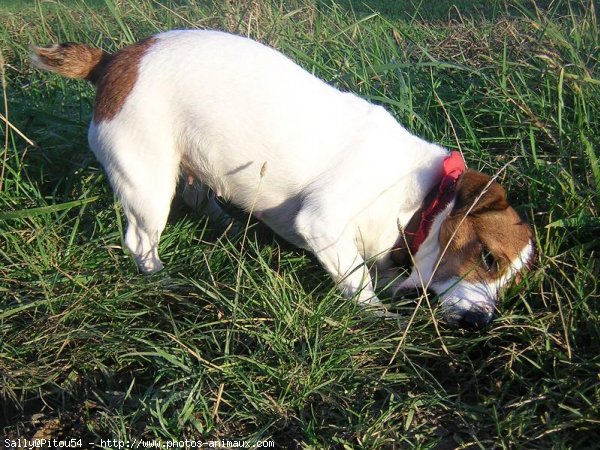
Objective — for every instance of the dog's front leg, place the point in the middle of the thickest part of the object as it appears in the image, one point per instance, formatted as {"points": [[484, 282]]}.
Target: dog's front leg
{"points": [[339, 255], [386, 277], [350, 273]]}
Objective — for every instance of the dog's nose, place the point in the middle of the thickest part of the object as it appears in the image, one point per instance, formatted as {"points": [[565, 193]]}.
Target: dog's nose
{"points": [[474, 319], [468, 315]]}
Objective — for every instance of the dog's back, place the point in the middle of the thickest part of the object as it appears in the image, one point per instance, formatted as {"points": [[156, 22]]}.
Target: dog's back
{"points": [[223, 105]]}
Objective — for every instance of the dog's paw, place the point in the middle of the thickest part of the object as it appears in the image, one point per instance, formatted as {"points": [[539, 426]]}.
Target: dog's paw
{"points": [[149, 266]]}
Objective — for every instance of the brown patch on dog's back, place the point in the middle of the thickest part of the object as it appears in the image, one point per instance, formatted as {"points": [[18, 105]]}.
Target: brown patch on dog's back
{"points": [[114, 75], [119, 74]]}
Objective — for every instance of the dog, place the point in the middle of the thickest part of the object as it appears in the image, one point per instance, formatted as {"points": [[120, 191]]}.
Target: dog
{"points": [[326, 170]]}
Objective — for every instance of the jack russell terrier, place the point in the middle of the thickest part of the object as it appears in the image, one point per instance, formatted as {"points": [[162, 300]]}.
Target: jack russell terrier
{"points": [[326, 170]]}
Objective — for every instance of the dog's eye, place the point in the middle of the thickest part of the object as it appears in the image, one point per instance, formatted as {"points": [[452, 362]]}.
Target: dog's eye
{"points": [[489, 261]]}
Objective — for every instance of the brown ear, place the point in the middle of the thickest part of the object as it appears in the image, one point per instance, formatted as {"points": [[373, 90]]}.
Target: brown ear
{"points": [[470, 186]]}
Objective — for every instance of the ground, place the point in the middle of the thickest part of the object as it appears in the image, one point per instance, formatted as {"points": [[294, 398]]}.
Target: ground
{"points": [[246, 337]]}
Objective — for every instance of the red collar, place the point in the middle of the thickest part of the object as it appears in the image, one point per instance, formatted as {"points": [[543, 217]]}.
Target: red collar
{"points": [[436, 201]]}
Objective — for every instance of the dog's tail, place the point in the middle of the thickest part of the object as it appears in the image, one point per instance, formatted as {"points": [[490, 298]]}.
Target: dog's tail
{"points": [[71, 60]]}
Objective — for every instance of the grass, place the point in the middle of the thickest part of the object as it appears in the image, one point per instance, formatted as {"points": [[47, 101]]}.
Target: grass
{"points": [[250, 340]]}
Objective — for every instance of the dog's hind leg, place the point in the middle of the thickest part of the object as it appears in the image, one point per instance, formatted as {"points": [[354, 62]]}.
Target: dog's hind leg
{"points": [[146, 207], [144, 228], [199, 197], [144, 177]]}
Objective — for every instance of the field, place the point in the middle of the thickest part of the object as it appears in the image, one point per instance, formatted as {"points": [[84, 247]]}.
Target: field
{"points": [[247, 337]]}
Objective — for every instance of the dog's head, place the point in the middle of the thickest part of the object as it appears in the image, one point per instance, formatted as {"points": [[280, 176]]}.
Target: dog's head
{"points": [[476, 246]]}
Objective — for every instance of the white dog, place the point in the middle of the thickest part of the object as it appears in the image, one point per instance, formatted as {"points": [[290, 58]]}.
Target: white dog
{"points": [[326, 170]]}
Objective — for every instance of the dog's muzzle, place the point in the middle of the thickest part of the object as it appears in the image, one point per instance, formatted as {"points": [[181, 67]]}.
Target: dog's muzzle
{"points": [[457, 312], [461, 313]]}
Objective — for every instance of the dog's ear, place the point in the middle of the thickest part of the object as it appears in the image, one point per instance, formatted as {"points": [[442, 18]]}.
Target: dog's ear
{"points": [[470, 186]]}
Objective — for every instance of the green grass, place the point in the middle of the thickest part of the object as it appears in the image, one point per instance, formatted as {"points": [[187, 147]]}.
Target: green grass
{"points": [[248, 338]]}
